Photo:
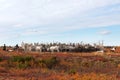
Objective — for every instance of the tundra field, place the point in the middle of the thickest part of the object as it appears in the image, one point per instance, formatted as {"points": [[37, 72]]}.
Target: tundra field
{"points": [[59, 66]]}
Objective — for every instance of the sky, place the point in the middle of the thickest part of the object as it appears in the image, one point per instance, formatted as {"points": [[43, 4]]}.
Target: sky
{"points": [[66, 21]]}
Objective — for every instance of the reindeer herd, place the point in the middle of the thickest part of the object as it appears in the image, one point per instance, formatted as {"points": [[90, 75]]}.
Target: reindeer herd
{"points": [[60, 47]]}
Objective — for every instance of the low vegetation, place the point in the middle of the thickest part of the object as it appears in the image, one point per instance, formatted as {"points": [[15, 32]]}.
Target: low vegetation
{"points": [[59, 66]]}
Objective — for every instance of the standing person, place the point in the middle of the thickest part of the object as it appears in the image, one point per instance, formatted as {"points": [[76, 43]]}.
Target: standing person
{"points": [[16, 46], [4, 47]]}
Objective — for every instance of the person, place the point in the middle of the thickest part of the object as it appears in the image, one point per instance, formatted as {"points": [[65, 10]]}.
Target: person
{"points": [[4, 47], [16, 47]]}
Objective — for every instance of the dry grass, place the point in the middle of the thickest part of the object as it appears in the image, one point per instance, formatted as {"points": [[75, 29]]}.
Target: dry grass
{"points": [[71, 66]]}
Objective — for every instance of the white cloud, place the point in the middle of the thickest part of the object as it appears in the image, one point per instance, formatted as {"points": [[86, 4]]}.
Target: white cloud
{"points": [[55, 16], [47, 11], [105, 32], [18, 25], [33, 32]]}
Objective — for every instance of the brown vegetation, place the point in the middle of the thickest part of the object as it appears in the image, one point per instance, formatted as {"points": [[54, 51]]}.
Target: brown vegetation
{"points": [[58, 66]]}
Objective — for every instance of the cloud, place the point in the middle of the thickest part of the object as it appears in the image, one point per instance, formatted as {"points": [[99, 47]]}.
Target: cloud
{"points": [[18, 25], [41, 17], [48, 11], [105, 32], [33, 32]]}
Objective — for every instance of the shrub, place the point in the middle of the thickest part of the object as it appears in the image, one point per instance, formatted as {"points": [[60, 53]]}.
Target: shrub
{"points": [[23, 65], [41, 63], [22, 59], [51, 62], [0, 59], [72, 71], [21, 62]]}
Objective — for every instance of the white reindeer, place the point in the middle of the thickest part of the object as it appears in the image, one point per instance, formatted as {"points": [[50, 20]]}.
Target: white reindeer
{"points": [[70, 48], [26, 46], [38, 48], [113, 49], [54, 48]]}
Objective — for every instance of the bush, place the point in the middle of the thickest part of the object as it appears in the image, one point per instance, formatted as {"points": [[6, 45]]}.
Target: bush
{"points": [[22, 59], [51, 62], [41, 63], [23, 65], [0, 59], [72, 71], [21, 62]]}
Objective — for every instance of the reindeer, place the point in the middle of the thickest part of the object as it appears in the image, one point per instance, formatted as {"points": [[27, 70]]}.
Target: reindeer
{"points": [[113, 49], [54, 48], [39, 48]]}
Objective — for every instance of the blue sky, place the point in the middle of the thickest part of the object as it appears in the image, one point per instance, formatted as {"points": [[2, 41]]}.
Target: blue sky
{"points": [[89, 21]]}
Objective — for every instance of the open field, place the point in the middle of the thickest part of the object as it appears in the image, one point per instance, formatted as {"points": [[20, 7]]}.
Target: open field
{"points": [[58, 66]]}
